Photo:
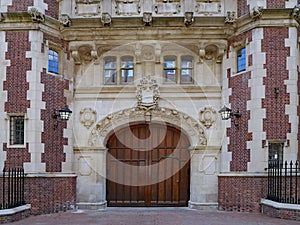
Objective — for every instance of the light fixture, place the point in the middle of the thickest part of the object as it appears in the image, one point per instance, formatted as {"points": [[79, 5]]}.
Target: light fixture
{"points": [[62, 114], [227, 113]]}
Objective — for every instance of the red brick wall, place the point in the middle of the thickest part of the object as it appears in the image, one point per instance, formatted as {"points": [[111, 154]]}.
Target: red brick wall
{"points": [[278, 4], [52, 137], [50, 194], [241, 193], [16, 87], [242, 7], [240, 95], [280, 213], [53, 8], [238, 134], [276, 124], [20, 5]]}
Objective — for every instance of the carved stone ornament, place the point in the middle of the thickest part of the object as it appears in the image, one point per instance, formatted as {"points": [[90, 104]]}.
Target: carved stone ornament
{"points": [[296, 13], [108, 124], [230, 18], [106, 19], [147, 93], [36, 16], [167, 8], [147, 18], [256, 12], [65, 20], [127, 7], [88, 117], [207, 116], [188, 18]]}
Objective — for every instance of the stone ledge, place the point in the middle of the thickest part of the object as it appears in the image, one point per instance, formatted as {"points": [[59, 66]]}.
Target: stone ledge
{"points": [[91, 205], [14, 214], [203, 206], [280, 210]]}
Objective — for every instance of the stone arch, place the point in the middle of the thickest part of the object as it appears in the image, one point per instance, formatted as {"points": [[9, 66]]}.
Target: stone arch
{"points": [[102, 130]]}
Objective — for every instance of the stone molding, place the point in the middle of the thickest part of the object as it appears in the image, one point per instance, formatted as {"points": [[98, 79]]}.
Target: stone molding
{"points": [[207, 116], [113, 121]]}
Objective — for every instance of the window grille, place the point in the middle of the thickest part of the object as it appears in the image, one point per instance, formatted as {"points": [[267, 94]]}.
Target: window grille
{"points": [[16, 130], [53, 61], [241, 60]]}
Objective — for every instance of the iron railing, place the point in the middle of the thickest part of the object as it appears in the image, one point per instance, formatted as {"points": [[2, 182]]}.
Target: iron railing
{"points": [[283, 182], [12, 188]]}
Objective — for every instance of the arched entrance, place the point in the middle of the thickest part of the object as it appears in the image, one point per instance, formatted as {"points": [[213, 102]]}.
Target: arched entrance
{"points": [[148, 165]]}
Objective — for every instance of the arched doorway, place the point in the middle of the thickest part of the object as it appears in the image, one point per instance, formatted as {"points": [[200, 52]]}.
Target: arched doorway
{"points": [[148, 165]]}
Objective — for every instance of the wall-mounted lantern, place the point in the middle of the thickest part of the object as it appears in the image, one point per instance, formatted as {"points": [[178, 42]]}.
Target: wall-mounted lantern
{"points": [[227, 113], [62, 114]]}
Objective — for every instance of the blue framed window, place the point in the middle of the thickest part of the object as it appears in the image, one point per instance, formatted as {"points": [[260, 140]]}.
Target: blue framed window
{"points": [[53, 61], [186, 75], [127, 68], [110, 69], [241, 60], [170, 68]]}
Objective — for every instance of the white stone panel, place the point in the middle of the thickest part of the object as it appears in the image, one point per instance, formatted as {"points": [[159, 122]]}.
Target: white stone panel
{"points": [[40, 6], [291, 151], [35, 125], [3, 97], [4, 4], [255, 3], [258, 157], [290, 3]]}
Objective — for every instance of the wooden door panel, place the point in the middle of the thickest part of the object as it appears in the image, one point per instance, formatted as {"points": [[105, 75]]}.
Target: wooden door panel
{"points": [[151, 160]]}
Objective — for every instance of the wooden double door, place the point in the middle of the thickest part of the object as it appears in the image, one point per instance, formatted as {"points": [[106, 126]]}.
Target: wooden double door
{"points": [[148, 165]]}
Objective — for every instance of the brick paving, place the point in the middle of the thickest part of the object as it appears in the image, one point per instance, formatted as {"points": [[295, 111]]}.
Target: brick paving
{"points": [[152, 216]]}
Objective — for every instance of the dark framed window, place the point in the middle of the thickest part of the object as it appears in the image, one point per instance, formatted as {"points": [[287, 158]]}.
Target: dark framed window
{"points": [[110, 69], [53, 61], [276, 151], [16, 130], [241, 60], [186, 72], [170, 68], [127, 69]]}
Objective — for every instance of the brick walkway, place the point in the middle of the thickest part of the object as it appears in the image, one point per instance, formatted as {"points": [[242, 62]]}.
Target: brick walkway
{"points": [[152, 216]]}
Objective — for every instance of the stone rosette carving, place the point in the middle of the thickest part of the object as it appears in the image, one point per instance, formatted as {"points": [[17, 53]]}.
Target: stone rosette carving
{"points": [[36, 16], [256, 12], [207, 116], [88, 117], [120, 118]]}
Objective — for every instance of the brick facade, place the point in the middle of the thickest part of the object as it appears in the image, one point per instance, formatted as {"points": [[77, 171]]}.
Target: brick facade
{"points": [[241, 193], [16, 87], [20, 5], [243, 8], [278, 4], [276, 124], [53, 9]]}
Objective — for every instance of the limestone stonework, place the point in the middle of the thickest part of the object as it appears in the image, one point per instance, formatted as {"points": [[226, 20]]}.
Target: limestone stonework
{"points": [[124, 63]]}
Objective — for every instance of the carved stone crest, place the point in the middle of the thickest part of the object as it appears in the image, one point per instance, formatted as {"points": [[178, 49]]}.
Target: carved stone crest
{"points": [[106, 19], [207, 116], [230, 18], [65, 20], [88, 117], [256, 12], [188, 18], [36, 16], [296, 13], [147, 18], [147, 93]]}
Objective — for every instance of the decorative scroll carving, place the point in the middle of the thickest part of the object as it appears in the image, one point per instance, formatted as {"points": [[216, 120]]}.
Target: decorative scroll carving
{"points": [[88, 8], [84, 54], [207, 116], [126, 116], [147, 18], [88, 117], [188, 18], [256, 12], [65, 20], [230, 18], [296, 13], [36, 16], [147, 94], [106, 19], [167, 8], [128, 7]]}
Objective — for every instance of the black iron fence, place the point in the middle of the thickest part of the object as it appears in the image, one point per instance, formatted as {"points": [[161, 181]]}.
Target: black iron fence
{"points": [[12, 188], [283, 182]]}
